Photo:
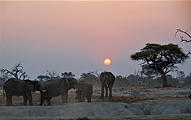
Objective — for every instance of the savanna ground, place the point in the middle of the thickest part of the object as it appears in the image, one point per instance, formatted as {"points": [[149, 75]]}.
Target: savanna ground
{"points": [[127, 103]]}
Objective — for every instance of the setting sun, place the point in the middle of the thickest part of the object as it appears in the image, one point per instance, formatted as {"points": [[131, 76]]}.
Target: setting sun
{"points": [[107, 61]]}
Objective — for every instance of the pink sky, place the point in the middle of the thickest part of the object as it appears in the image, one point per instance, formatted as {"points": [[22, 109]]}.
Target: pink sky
{"points": [[77, 36]]}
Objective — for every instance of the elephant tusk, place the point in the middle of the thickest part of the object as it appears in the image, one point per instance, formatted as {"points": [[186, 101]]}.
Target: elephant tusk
{"points": [[44, 90]]}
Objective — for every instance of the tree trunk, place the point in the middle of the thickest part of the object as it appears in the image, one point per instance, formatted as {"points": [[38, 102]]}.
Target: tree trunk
{"points": [[164, 80]]}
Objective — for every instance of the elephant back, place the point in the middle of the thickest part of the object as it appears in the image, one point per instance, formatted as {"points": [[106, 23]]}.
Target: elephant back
{"points": [[106, 77], [85, 87], [30, 85], [54, 87], [15, 86], [70, 83]]}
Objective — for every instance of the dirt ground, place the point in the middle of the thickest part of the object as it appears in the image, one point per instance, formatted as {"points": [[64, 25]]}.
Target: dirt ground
{"points": [[134, 97], [141, 117]]}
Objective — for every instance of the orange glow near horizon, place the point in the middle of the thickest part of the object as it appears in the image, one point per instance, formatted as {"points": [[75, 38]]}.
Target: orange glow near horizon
{"points": [[107, 62], [60, 35]]}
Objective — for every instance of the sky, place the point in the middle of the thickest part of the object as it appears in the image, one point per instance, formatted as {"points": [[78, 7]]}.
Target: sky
{"points": [[77, 36]]}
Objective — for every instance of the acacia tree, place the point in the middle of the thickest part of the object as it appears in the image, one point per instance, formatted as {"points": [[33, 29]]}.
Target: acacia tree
{"points": [[161, 58], [51, 75], [43, 77], [88, 75], [16, 72], [67, 75]]}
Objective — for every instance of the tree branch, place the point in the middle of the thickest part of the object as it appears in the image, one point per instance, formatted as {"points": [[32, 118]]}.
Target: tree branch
{"points": [[181, 37], [16, 72], [9, 72], [188, 53]]}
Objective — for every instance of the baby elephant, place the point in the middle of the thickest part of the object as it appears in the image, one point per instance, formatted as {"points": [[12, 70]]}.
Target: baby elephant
{"points": [[84, 90]]}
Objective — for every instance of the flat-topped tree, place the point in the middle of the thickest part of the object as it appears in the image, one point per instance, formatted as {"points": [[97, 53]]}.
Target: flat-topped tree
{"points": [[161, 58]]}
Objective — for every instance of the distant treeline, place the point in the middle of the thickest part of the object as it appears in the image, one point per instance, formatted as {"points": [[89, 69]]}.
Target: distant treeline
{"points": [[140, 79]]}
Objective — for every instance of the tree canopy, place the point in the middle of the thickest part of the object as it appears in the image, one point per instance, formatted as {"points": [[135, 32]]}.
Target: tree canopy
{"points": [[67, 75], [161, 58], [43, 77]]}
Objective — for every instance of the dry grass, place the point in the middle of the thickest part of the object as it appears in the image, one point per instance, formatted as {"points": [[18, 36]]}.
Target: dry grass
{"points": [[36, 99], [96, 97], [172, 98]]}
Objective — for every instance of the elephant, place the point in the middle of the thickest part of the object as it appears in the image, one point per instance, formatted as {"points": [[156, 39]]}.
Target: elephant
{"points": [[16, 87], [107, 80], [53, 88], [84, 90]]}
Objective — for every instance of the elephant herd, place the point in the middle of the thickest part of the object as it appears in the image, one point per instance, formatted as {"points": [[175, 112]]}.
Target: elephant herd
{"points": [[53, 88]]}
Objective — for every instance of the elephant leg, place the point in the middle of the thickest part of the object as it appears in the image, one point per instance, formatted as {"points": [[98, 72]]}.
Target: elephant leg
{"points": [[41, 99], [79, 96], [102, 91], [88, 98], [79, 99], [65, 97], [106, 90], [30, 99], [83, 96], [110, 92], [25, 100], [11, 103], [49, 101], [8, 100]]}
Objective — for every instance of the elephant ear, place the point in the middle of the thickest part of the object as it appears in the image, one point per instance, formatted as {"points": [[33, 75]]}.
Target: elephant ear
{"points": [[29, 86], [37, 85]]}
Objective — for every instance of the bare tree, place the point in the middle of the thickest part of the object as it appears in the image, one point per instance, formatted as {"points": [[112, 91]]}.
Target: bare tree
{"points": [[182, 37], [16, 72], [52, 74], [184, 34]]}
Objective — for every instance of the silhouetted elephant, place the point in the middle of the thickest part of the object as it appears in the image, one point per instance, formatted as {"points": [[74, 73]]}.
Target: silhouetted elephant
{"points": [[16, 87], [107, 80], [53, 88], [84, 90]]}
